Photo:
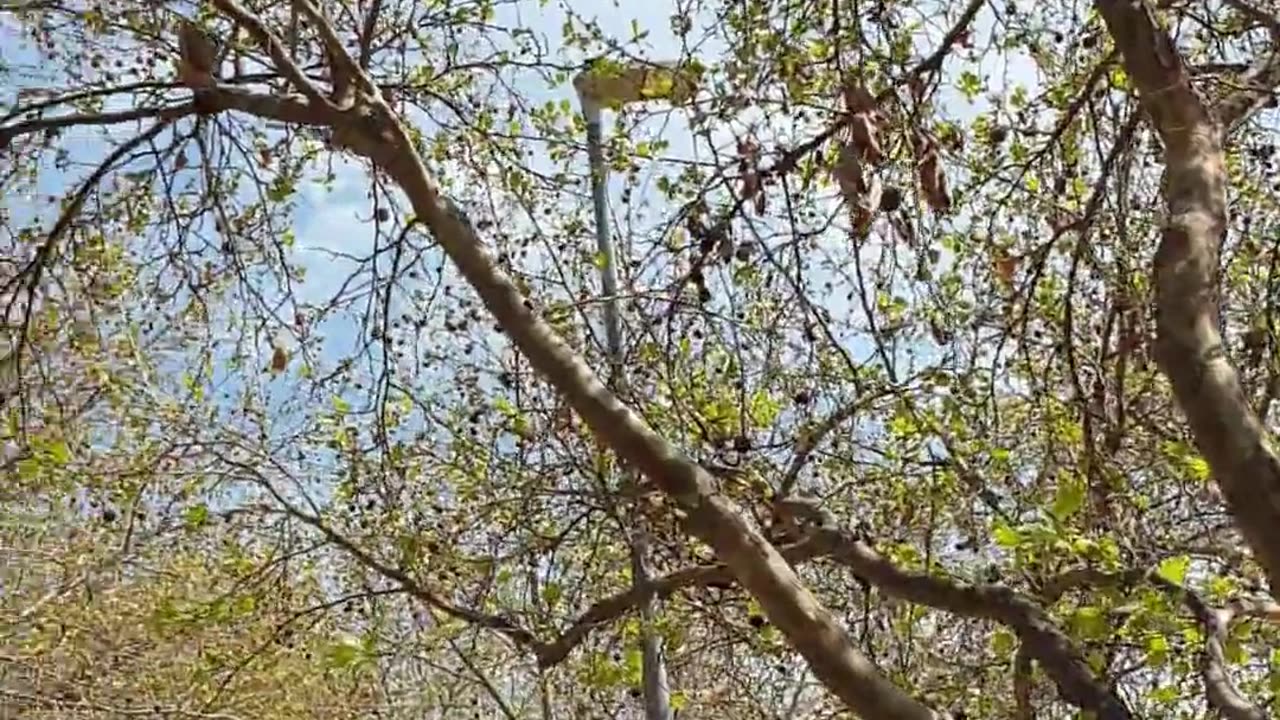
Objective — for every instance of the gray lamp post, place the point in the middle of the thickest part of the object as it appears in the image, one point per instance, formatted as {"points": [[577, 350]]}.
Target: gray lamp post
{"points": [[609, 85]]}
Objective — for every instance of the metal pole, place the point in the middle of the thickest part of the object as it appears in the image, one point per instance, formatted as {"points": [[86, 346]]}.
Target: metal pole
{"points": [[657, 705], [604, 241]]}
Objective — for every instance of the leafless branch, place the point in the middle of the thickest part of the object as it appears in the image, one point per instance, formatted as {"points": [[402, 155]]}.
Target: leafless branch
{"points": [[7, 134], [1260, 80]]}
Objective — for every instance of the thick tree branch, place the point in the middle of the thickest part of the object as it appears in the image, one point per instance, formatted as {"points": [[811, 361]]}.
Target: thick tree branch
{"points": [[1023, 710], [1189, 347], [1041, 639], [1216, 622], [294, 109], [342, 68], [1221, 693], [809, 626], [276, 49], [49, 99], [374, 132]]}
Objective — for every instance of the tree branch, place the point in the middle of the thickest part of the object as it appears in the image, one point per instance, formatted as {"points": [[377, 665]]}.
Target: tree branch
{"points": [[373, 131], [615, 606], [343, 68], [366, 33], [1023, 709], [1259, 80], [1189, 347], [288, 109], [1216, 622], [34, 270], [1041, 638], [811, 439], [1219, 690], [420, 592], [269, 42], [167, 114]]}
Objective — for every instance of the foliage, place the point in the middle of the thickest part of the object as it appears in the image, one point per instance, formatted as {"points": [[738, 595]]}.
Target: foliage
{"points": [[267, 454]]}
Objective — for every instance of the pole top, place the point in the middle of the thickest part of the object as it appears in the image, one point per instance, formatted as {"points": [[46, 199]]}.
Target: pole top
{"points": [[605, 83]]}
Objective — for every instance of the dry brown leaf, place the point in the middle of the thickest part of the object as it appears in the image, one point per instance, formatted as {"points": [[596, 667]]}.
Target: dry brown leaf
{"points": [[848, 173], [933, 182], [749, 166], [279, 359], [197, 55], [863, 121], [864, 210], [865, 135], [750, 185], [857, 99]]}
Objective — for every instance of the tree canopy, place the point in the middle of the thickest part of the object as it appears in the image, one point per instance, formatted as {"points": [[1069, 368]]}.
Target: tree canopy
{"points": [[936, 382]]}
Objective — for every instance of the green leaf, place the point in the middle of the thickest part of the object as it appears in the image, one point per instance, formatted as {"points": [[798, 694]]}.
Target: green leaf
{"points": [[1198, 467], [1002, 642], [764, 409], [902, 426], [634, 664], [1157, 650], [1090, 623], [552, 593], [195, 516], [28, 468], [343, 654], [1174, 569], [1006, 537], [1166, 694], [410, 550], [1118, 78], [244, 605], [58, 452], [1068, 499], [970, 84]]}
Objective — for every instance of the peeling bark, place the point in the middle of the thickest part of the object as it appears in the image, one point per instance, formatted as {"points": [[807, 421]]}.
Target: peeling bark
{"points": [[1189, 347]]}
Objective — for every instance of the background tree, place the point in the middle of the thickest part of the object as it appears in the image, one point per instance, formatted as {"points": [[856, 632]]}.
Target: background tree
{"points": [[277, 446]]}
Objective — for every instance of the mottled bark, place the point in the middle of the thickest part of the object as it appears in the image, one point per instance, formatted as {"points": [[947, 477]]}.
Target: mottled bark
{"points": [[1189, 347]]}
